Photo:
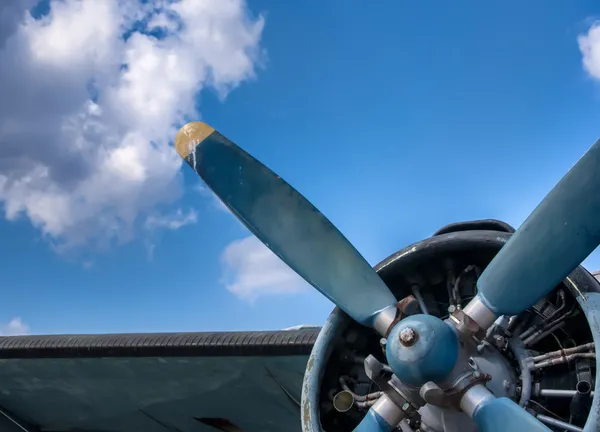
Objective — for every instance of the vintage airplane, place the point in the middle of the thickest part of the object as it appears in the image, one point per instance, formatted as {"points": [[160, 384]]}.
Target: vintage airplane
{"points": [[477, 328]]}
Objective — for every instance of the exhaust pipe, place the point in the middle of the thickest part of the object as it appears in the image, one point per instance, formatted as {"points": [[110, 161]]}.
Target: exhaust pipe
{"points": [[582, 401]]}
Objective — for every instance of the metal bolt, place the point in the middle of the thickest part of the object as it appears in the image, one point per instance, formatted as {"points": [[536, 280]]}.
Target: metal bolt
{"points": [[482, 346], [476, 374], [405, 406], [451, 309], [408, 336], [499, 341], [383, 343]]}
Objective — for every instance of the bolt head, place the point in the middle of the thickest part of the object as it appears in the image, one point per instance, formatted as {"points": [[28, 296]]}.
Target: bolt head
{"points": [[405, 406], [499, 341], [408, 336]]}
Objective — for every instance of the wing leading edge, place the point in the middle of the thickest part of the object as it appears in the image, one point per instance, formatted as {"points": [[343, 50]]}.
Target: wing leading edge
{"points": [[232, 381]]}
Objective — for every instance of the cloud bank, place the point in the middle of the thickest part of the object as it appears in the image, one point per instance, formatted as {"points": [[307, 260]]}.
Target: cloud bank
{"points": [[15, 327], [92, 93], [589, 45]]}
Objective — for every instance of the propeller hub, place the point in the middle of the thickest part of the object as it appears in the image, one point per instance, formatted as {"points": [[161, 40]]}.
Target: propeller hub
{"points": [[421, 348]]}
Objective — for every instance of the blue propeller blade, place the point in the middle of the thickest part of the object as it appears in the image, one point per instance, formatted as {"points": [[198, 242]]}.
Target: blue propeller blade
{"points": [[285, 222], [373, 422], [560, 233], [502, 414]]}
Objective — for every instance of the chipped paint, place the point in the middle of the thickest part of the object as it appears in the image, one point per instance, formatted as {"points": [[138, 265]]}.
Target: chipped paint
{"points": [[189, 136], [576, 288], [591, 309], [315, 369], [288, 224]]}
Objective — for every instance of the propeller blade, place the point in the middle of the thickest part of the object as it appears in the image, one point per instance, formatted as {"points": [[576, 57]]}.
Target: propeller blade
{"points": [[373, 422], [285, 222], [560, 233], [383, 416], [502, 414]]}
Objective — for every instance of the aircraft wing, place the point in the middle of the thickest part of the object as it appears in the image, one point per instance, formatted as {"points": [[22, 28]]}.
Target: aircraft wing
{"points": [[196, 382]]}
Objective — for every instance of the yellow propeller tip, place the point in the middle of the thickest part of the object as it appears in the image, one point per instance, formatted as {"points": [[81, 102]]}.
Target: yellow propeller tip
{"points": [[190, 135]]}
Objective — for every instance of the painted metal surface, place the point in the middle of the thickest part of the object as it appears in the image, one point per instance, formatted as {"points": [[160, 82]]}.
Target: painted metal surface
{"points": [[315, 368], [560, 233], [154, 393], [373, 422], [590, 304], [580, 282], [502, 414], [9, 423], [185, 344], [286, 222], [430, 358]]}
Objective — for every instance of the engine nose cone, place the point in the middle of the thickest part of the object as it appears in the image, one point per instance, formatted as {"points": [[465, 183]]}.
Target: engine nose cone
{"points": [[421, 348]]}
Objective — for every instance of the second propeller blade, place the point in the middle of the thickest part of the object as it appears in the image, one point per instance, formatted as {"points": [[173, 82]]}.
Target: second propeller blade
{"points": [[560, 233]]}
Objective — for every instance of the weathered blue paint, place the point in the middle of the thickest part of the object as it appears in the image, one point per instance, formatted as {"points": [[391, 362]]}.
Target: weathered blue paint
{"points": [[502, 414], [291, 227], [315, 368], [431, 358], [560, 233], [373, 422], [591, 307]]}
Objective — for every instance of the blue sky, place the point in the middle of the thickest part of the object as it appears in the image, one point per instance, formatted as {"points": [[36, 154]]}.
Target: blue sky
{"points": [[392, 119]]}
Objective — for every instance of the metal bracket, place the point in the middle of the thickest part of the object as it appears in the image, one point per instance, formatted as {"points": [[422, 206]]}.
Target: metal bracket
{"points": [[375, 372], [451, 397], [466, 325]]}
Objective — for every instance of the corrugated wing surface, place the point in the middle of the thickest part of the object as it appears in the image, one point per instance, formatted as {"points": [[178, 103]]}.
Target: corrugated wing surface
{"points": [[156, 382]]}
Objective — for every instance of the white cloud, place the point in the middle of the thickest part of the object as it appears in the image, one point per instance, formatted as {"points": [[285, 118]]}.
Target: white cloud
{"points": [[168, 221], [172, 221], [14, 328], [251, 270], [589, 44], [86, 114]]}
